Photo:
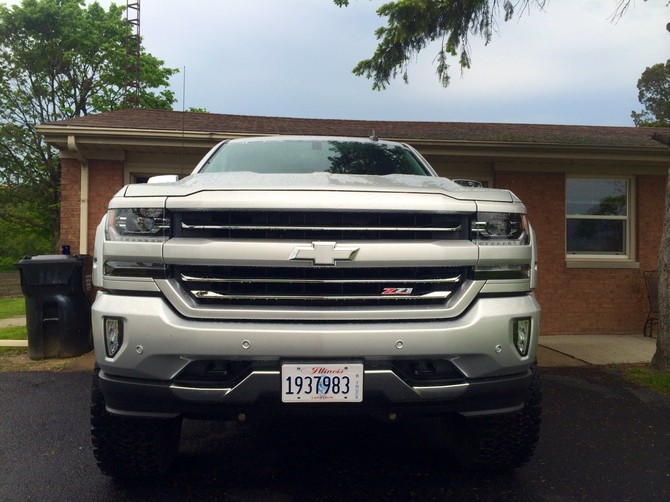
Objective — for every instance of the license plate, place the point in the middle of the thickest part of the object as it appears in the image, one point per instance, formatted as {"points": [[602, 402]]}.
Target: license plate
{"points": [[322, 383]]}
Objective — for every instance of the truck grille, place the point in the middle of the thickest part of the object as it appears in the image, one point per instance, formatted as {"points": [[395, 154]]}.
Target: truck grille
{"points": [[305, 285], [320, 225], [319, 286]]}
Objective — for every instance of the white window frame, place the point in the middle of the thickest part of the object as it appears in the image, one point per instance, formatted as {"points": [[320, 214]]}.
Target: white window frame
{"points": [[605, 260]]}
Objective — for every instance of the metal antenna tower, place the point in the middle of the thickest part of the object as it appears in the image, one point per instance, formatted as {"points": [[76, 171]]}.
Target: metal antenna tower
{"points": [[133, 48]]}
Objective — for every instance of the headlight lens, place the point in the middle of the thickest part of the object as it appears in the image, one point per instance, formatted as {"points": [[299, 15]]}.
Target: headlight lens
{"points": [[500, 229], [137, 224]]}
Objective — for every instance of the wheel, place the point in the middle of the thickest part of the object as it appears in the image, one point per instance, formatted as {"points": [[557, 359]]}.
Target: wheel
{"points": [[131, 447], [500, 442]]}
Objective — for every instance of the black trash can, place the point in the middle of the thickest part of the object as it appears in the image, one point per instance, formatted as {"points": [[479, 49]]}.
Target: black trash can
{"points": [[58, 310]]}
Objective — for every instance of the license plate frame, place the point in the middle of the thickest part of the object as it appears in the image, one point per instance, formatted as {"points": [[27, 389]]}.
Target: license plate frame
{"points": [[317, 382]]}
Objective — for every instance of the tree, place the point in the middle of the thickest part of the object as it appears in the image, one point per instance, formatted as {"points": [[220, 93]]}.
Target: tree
{"points": [[654, 87], [661, 358], [59, 59], [413, 24]]}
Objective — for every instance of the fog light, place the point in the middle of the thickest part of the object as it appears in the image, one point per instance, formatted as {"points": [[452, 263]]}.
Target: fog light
{"points": [[113, 335], [521, 335]]}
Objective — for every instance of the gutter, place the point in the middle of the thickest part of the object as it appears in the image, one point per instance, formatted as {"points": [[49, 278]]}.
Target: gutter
{"points": [[83, 193], [654, 152], [52, 133]]}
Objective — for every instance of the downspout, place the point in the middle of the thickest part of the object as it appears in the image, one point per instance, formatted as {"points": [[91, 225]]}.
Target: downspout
{"points": [[83, 194]]}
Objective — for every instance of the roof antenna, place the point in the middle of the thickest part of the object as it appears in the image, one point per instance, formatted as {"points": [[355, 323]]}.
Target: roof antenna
{"points": [[374, 136]]}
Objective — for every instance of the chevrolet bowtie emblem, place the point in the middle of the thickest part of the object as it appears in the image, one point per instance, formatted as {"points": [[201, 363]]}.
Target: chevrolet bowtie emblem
{"points": [[324, 253]]}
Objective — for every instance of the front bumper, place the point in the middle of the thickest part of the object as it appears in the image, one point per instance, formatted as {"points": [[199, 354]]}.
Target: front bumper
{"points": [[260, 396], [159, 344]]}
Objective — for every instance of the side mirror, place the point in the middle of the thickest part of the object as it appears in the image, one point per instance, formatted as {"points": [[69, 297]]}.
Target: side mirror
{"points": [[469, 183], [164, 178]]}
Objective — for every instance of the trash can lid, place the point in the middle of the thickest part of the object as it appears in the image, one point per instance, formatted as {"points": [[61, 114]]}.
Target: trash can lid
{"points": [[45, 259], [52, 257]]}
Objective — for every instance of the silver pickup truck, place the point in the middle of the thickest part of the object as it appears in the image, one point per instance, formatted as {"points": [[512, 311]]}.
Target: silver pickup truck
{"points": [[314, 275]]}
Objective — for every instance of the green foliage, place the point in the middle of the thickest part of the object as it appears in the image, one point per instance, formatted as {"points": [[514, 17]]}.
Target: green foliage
{"points": [[23, 230], [15, 243], [59, 59], [413, 24], [654, 95]]}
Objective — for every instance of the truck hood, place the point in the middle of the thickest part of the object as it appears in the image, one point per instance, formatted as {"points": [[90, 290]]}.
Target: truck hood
{"points": [[241, 181]]}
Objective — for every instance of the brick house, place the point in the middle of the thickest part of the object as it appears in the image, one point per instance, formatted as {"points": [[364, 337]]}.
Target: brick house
{"points": [[594, 195]]}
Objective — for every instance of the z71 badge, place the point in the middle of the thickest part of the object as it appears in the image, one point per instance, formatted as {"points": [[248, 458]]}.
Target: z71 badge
{"points": [[397, 291]]}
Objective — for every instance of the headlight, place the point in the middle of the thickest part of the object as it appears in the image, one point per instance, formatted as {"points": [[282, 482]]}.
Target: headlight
{"points": [[137, 224], [500, 229]]}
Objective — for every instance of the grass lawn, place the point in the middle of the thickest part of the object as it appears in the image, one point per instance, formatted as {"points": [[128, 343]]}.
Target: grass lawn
{"points": [[14, 333], [11, 307], [652, 379]]}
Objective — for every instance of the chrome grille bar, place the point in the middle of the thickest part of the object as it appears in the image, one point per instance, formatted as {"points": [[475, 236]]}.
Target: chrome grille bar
{"points": [[187, 226], [445, 280], [212, 295], [319, 286]]}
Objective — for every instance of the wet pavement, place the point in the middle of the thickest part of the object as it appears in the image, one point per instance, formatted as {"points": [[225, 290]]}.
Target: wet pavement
{"points": [[602, 439]]}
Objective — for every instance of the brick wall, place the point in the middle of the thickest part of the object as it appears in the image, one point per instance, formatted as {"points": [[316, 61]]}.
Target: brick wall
{"points": [[574, 300], [105, 179], [591, 300]]}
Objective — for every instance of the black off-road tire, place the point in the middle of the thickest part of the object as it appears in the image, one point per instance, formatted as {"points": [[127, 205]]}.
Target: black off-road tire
{"points": [[500, 442], [131, 447]]}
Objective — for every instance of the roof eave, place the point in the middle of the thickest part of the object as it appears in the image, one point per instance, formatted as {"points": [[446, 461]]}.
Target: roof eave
{"points": [[99, 137]]}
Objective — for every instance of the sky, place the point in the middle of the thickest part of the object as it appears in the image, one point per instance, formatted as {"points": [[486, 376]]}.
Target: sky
{"points": [[569, 63]]}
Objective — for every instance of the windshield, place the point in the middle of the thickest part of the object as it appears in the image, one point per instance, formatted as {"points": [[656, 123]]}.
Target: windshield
{"points": [[310, 156]]}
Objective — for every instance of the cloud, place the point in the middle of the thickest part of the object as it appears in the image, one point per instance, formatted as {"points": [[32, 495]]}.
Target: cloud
{"points": [[567, 64]]}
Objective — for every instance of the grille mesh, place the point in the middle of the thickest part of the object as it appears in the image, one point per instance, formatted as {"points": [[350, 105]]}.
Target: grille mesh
{"points": [[318, 286], [311, 286], [318, 225]]}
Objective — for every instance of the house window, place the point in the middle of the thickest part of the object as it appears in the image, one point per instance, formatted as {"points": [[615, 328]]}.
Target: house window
{"points": [[598, 219]]}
